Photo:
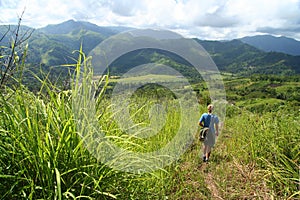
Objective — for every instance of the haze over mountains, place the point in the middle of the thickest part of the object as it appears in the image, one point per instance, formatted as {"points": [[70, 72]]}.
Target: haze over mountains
{"points": [[53, 45]]}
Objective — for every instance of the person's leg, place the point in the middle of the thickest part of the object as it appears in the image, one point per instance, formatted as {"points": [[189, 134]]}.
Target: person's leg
{"points": [[207, 153], [204, 152], [209, 144]]}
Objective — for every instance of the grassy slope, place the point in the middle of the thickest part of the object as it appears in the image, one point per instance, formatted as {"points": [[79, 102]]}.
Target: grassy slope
{"points": [[42, 155], [252, 159]]}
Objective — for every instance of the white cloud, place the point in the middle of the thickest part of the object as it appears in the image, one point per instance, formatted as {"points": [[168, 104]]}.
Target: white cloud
{"points": [[214, 19]]}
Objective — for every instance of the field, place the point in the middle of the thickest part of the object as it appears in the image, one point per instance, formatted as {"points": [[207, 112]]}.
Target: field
{"points": [[50, 146]]}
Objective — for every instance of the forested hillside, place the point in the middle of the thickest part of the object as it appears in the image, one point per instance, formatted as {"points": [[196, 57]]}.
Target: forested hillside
{"points": [[240, 58], [54, 45]]}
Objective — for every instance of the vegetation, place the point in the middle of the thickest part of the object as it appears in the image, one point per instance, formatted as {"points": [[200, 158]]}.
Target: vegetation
{"points": [[44, 155], [242, 59]]}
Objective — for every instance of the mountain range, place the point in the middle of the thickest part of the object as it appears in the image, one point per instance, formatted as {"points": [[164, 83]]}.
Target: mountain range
{"points": [[54, 45], [271, 43]]}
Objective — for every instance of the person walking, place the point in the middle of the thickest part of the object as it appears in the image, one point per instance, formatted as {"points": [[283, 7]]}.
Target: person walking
{"points": [[212, 122]]}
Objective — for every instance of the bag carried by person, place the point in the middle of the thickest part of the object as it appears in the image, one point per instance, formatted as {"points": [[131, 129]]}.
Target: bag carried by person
{"points": [[203, 133]]}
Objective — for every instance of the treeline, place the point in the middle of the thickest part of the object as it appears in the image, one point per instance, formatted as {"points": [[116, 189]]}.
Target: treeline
{"points": [[275, 78]]}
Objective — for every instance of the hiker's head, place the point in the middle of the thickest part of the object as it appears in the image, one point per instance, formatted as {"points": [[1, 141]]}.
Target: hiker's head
{"points": [[210, 108]]}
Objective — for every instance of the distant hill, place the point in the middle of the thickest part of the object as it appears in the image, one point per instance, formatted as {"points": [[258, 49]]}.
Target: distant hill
{"points": [[270, 43], [70, 26], [239, 58], [54, 45]]}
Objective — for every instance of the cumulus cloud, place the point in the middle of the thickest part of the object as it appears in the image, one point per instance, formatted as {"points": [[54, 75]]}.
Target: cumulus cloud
{"points": [[217, 19], [126, 8], [214, 19]]}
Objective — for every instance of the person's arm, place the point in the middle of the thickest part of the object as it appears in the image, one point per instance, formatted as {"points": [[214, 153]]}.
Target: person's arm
{"points": [[217, 126], [201, 123]]}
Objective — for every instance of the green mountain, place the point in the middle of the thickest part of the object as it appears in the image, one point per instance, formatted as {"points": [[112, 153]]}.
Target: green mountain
{"points": [[271, 43], [230, 56], [239, 58], [54, 45]]}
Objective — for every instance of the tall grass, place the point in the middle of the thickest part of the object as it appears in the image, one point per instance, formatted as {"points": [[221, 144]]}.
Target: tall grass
{"points": [[270, 142], [44, 156], [41, 154]]}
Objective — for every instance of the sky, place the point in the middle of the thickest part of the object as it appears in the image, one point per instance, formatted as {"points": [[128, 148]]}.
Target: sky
{"points": [[204, 19]]}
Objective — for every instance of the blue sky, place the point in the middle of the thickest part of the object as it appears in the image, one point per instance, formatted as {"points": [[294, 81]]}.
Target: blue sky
{"points": [[210, 19]]}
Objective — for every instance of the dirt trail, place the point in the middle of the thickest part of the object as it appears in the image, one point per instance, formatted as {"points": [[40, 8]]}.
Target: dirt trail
{"points": [[212, 186], [243, 179], [198, 178], [209, 181]]}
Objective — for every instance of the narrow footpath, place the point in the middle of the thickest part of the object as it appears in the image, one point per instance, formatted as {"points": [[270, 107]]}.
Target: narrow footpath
{"points": [[223, 177]]}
